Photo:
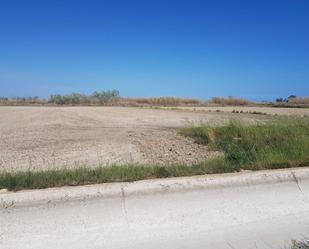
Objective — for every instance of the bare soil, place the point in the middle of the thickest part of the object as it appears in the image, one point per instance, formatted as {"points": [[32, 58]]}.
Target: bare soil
{"points": [[40, 138]]}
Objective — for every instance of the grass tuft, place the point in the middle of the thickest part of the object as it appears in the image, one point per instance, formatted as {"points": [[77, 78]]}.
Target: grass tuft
{"points": [[277, 144], [300, 244]]}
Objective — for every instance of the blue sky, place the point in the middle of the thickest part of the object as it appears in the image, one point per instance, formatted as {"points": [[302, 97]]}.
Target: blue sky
{"points": [[254, 49]]}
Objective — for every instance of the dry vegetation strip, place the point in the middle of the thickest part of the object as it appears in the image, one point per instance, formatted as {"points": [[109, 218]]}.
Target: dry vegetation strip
{"points": [[229, 101], [160, 101], [113, 98]]}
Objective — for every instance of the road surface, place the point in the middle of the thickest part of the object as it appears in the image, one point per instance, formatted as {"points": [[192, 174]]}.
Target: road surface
{"points": [[247, 210]]}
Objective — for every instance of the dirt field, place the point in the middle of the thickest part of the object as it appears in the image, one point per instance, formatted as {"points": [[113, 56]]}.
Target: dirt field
{"points": [[52, 137]]}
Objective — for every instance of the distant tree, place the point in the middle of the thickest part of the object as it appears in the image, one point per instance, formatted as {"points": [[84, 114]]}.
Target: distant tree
{"points": [[104, 97], [20, 99], [281, 100], [32, 99], [291, 98], [56, 99]]}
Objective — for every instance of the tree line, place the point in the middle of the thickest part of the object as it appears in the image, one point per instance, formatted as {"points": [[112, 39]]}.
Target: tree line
{"points": [[112, 97], [292, 99], [96, 98]]}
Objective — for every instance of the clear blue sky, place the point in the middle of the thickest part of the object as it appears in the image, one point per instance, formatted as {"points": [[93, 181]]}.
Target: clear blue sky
{"points": [[254, 49]]}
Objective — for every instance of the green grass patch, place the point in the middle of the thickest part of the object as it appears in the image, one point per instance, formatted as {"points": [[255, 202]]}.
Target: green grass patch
{"points": [[277, 144], [121, 173]]}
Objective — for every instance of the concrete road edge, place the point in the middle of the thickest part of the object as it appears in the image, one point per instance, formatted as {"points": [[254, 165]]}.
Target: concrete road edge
{"points": [[109, 190]]}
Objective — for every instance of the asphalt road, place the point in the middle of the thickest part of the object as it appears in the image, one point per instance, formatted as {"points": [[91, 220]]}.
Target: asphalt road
{"points": [[228, 215]]}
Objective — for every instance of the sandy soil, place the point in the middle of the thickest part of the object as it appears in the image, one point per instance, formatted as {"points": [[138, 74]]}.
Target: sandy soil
{"points": [[54, 137]]}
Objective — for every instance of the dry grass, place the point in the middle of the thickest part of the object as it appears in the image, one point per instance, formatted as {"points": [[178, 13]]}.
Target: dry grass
{"points": [[160, 101], [299, 100], [76, 99], [229, 101], [23, 103]]}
